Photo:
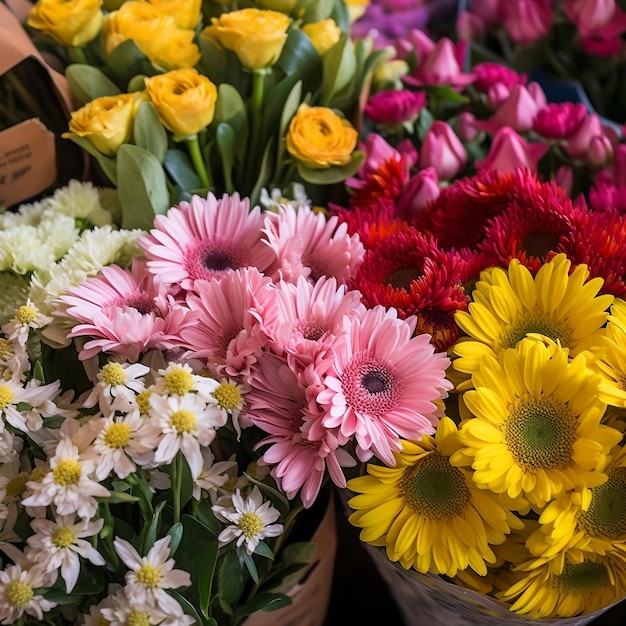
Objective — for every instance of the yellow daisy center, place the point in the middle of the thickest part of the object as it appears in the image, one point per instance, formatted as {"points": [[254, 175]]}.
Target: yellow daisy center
{"points": [[16, 486], [178, 381], [63, 537], [535, 322], [138, 618], [143, 401], [585, 577], [184, 421], [5, 347], [117, 435], [434, 488], [250, 525], [606, 515], [18, 593], [38, 474], [26, 314], [6, 397], [101, 621], [149, 575], [113, 374], [228, 397], [540, 433], [67, 472], [230, 484]]}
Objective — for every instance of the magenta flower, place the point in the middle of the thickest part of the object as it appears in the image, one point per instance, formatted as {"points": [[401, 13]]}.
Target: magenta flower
{"points": [[510, 152], [206, 238], [395, 106], [559, 120], [443, 150], [518, 111], [383, 384], [489, 74], [126, 312], [527, 21]]}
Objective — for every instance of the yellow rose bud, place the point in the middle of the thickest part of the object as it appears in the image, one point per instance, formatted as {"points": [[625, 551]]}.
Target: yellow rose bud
{"points": [[319, 138], [356, 8], [155, 33], [257, 37], [71, 23], [390, 73], [106, 122], [324, 34], [184, 100], [186, 13]]}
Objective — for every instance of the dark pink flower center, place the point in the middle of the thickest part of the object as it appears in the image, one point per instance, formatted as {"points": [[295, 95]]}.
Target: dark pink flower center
{"points": [[142, 302], [206, 259]]}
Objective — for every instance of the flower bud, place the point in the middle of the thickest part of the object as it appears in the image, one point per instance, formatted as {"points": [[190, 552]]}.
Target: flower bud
{"points": [[395, 106], [421, 190], [527, 21], [324, 34], [509, 152]]}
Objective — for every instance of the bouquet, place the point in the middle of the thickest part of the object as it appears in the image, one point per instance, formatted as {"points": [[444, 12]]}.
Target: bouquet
{"points": [[580, 41]]}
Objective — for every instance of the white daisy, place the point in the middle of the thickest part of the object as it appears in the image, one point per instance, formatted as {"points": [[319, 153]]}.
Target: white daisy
{"points": [[14, 361], [212, 476], [183, 423], [59, 544], [272, 200], [17, 593], [67, 485], [151, 575], [36, 397], [117, 386], [250, 519], [27, 317], [179, 379]]}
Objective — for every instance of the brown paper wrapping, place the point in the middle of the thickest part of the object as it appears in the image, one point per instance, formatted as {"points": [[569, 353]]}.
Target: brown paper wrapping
{"points": [[310, 598]]}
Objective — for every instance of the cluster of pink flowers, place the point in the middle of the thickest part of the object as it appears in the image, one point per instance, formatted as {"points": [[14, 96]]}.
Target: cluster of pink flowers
{"points": [[261, 300]]}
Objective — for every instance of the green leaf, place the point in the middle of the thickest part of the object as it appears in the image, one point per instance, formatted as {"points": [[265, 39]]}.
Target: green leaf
{"points": [[298, 552], [264, 602], [142, 187], [424, 122], [334, 174], [88, 83], [248, 561], [190, 609], [226, 141], [340, 64], [231, 109], [262, 549], [205, 515], [292, 103], [127, 61], [318, 10], [107, 164], [229, 579], [148, 535], [117, 497], [222, 66], [176, 534], [178, 166], [148, 132], [300, 58]]}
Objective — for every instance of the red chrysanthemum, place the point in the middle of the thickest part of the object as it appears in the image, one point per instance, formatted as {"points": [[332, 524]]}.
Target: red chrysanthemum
{"points": [[407, 271]]}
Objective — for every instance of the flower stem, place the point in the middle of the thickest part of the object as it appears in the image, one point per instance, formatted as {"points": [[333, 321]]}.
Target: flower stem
{"points": [[177, 481], [78, 55], [195, 153], [256, 119]]}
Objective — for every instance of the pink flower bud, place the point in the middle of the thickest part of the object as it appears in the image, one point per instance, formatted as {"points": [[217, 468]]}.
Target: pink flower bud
{"points": [[443, 150], [604, 195], [619, 164], [489, 11], [443, 65], [527, 21], [517, 111], [600, 150], [564, 177], [578, 143], [395, 106], [509, 151], [489, 73], [497, 94], [559, 120], [470, 26], [589, 15], [422, 189], [467, 129]]}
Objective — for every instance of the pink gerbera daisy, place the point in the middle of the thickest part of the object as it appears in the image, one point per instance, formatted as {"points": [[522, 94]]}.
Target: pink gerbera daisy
{"points": [[310, 244], [232, 312], [309, 317], [298, 449], [383, 384], [205, 238], [124, 312]]}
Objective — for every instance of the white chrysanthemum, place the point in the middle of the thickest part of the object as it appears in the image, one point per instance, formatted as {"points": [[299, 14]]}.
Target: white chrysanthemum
{"points": [[67, 485], [14, 290], [59, 544], [37, 399], [17, 593], [22, 250], [151, 575], [250, 519], [26, 215], [79, 200], [117, 387], [212, 476]]}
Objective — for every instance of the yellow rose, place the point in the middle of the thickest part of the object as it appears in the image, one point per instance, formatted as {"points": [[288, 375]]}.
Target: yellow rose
{"points": [[186, 13], [356, 8], [106, 122], [257, 37], [319, 138], [324, 34], [71, 23], [155, 33], [184, 100]]}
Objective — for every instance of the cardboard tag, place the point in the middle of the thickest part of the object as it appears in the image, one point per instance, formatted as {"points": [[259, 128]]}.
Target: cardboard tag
{"points": [[27, 161]]}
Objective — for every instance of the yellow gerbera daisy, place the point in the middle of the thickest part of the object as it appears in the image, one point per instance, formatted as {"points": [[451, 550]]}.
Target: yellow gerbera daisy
{"points": [[586, 520], [536, 428], [428, 514], [508, 305], [581, 587]]}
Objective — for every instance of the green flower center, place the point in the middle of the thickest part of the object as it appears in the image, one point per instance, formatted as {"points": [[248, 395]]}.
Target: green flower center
{"points": [[434, 488], [228, 397], [540, 433], [113, 374], [606, 515], [6, 397], [138, 618], [117, 436], [149, 575], [250, 525], [178, 381], [536, 322], [26, 314], [184, 421], [585, 577], [63, 537], [18, 593], [67, 472]]}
